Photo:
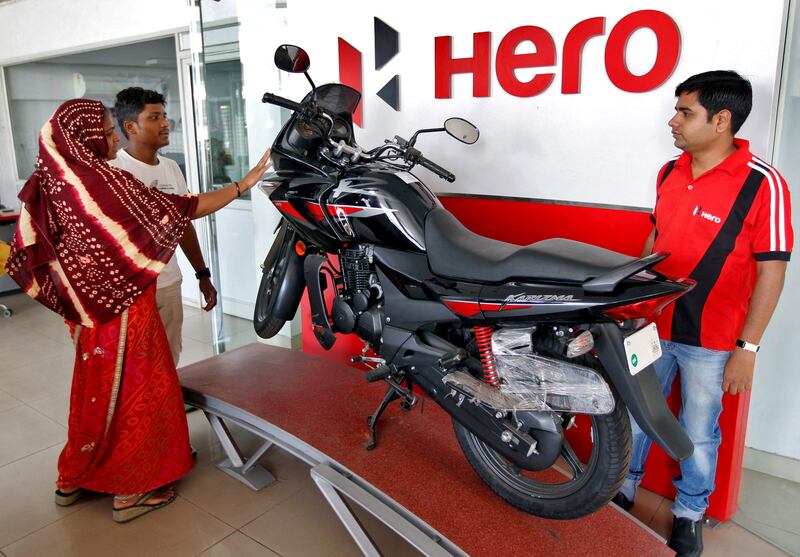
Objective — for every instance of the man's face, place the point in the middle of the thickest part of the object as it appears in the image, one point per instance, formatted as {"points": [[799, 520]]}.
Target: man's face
{"points": [[151, 127], [111, 136], [691, 129]]}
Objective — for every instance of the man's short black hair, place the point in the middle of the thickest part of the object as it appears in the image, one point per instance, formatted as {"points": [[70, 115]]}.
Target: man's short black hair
{"points": [[130, 103], [721, 90]]}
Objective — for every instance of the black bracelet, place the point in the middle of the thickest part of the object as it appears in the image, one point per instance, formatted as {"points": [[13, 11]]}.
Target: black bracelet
{"points": [[238, 191], [204, 272]]}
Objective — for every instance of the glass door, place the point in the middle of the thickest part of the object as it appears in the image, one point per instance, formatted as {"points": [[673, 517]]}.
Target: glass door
{"points": [[232, 129]]}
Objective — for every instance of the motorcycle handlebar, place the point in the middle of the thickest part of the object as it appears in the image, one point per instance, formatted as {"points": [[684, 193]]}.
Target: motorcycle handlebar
{"points": [[436, 169], [280, 101]]}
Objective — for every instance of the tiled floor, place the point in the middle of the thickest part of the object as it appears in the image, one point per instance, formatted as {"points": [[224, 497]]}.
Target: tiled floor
{"points": [[215, 515]]}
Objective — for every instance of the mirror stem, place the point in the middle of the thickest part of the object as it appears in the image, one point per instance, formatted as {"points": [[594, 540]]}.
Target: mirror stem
{"points": [[427, 130], [313, 87]]}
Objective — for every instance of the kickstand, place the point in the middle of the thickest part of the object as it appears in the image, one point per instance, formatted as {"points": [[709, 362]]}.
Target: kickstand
{"points": [[391, 394]]}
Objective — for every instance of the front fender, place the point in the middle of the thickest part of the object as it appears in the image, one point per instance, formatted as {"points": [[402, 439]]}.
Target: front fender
{"points": [[641, 393], [292, 283]]}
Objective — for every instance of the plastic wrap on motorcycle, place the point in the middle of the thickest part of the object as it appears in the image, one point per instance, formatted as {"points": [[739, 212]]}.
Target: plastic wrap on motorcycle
{"points": [[537, 451], [642, 394], [533, 382]]}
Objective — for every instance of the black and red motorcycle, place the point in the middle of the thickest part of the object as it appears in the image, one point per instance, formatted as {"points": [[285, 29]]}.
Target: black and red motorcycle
{"points": [[517, 343]]}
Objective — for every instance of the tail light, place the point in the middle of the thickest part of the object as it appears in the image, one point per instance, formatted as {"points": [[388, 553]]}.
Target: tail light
{"points": [[648, 308]]}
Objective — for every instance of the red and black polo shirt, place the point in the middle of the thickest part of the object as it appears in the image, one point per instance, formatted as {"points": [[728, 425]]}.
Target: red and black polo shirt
{"points": [[716, 227]]}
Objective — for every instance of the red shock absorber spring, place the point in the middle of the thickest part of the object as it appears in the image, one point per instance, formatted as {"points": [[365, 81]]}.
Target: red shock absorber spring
{"points": [[484, 337]]}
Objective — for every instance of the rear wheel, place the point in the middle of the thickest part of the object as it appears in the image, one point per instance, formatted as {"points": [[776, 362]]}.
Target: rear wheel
{"points": [[275, 266], [575, 485]]}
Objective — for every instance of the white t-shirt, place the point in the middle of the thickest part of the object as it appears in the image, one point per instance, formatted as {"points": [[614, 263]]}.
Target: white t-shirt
{"points": [[165, 176]]}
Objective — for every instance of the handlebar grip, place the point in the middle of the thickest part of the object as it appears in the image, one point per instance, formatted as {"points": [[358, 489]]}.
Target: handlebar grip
{"points": [[436, 169], [280, 101]]}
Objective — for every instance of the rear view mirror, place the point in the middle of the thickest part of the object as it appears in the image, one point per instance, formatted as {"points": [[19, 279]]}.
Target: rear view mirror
{"points": [[292, 59], [462, 130]]}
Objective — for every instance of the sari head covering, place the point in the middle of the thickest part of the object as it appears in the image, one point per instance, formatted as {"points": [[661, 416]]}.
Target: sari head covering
{"points": [[90, 237]]}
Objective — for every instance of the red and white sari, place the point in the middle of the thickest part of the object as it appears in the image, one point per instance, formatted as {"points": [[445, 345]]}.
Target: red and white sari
{"points": [[89, 245]]}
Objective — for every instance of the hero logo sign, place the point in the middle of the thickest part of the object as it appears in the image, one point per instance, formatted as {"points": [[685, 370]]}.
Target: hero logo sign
{"points": [[506, 59], [387, 45]]}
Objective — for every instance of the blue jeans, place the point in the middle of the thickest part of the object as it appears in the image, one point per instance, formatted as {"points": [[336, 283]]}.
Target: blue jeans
{"points": [[701, 393]]}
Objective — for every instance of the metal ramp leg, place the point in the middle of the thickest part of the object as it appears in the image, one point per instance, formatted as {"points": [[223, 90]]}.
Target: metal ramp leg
{"points": [[246, 470], [333, 484]]}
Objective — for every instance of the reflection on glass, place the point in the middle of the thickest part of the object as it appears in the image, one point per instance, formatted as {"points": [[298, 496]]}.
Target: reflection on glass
{"points": [[35, 90], [226, 122]]}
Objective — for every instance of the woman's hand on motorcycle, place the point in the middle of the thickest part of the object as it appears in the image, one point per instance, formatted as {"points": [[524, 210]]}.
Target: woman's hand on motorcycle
{"points": [[210, 201], [253, 177]]}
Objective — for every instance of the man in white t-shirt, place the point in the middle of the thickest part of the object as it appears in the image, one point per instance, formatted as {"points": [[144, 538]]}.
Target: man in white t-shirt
{"points": [[142, 117]]}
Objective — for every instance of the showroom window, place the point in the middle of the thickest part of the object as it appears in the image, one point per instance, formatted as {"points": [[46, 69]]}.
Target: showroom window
{"points": [[36, 89]]}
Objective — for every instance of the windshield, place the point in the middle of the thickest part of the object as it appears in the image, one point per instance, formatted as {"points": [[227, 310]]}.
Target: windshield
{"points": [[337, 98]]}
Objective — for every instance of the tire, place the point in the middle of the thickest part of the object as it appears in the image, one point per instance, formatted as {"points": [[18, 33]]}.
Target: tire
{"points": [[581, 495], [265, 324]]}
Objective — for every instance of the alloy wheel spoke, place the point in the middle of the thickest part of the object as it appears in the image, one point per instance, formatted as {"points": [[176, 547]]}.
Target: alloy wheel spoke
{"points": [[572, 459]]}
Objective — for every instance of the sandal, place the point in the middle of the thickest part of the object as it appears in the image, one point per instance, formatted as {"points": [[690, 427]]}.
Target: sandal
{"points": [[65, 499], [141, 506]]}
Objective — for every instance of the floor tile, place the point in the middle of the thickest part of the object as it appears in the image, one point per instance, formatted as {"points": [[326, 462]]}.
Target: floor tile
{"points": [[24, 431], [180, 529], [55, 407], [646, 505], [731, 539], [34, 321], [7, 402], [238, 545], [230, 500], [46, 377], [302, 525], [194, 351], [197, 327], [768, 507], [661, 523], [29, 349], [27, 486]]}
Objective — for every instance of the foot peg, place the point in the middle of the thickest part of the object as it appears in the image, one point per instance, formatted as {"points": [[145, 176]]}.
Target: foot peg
{"points": [[378, 374]]}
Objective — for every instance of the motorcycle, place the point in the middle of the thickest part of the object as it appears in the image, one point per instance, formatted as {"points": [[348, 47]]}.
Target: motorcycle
{"points": [[519, 344]]}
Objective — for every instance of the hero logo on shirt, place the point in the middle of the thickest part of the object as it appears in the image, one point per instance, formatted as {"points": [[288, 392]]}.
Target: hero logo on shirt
{"points": [[165, 188], [698, 212]]}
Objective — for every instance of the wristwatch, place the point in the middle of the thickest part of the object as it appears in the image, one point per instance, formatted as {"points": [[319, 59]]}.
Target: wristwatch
{"points": [[204, 272], [749, 346]]}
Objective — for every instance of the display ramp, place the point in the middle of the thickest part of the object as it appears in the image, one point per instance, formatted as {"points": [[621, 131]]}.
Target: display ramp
{"points": [[416, 481]]}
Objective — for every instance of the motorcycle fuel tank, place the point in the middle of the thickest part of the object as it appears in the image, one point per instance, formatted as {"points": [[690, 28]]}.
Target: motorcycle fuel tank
{"points": [[381, 206]]}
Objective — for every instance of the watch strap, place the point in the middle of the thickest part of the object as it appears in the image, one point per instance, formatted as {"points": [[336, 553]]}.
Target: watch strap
{"points": [[204, 272], [749, 346]]}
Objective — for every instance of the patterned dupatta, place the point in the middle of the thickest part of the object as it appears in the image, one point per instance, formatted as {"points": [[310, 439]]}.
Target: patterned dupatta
{"points": [[90, 237]]}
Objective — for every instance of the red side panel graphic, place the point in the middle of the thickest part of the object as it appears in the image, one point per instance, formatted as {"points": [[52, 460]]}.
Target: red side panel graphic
{"points": [[462, 307], [286, 208], [315, 210], [333, 210]]}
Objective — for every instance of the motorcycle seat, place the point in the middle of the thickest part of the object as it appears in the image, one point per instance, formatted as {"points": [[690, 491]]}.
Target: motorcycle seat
{"points": [[456, 252]]}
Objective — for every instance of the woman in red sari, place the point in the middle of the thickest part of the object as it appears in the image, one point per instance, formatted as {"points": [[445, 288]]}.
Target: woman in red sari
{"points": [[89, 244]]}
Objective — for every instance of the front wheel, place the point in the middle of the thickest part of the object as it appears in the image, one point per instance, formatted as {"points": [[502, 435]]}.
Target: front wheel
{"points": [[573, 487]]}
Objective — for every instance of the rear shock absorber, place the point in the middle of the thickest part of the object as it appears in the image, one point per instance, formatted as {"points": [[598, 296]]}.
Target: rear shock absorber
{"points": [[483, 336]]}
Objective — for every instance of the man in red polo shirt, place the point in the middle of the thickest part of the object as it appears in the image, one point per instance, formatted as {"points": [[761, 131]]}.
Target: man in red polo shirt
{"points": [[724, 215]]}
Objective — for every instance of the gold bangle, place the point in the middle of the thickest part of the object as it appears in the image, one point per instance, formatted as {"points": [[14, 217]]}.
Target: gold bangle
{"points": [[238, 191]]}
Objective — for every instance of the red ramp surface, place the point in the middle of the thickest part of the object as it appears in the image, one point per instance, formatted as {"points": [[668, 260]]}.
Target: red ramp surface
{"points": [[417, 461]]}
